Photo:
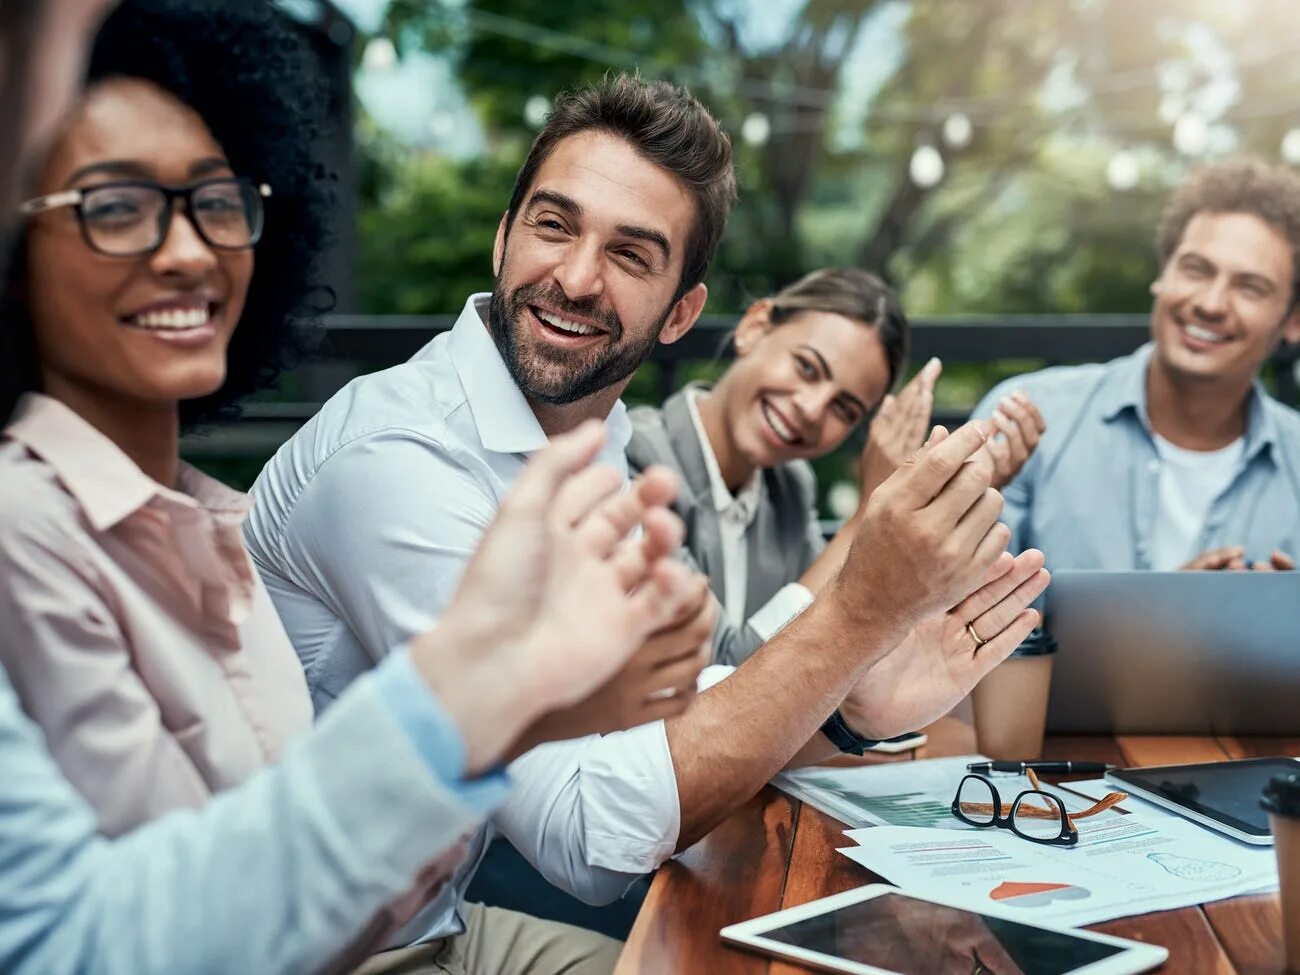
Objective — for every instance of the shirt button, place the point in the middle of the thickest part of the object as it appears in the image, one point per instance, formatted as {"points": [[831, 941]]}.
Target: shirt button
{"points": [[1153, 466]]}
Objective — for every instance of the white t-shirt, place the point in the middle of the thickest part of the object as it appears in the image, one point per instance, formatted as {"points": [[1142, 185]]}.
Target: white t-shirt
{"points": [[1190, 482]]}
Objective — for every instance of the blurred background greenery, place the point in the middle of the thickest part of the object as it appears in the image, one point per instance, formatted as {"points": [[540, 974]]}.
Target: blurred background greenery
{"points": [[986, 156]]}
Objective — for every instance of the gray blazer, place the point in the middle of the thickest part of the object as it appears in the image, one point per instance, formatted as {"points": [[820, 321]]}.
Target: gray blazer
{"points": [[784, 537]]}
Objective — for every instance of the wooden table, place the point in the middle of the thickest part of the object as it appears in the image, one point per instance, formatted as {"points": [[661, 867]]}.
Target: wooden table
{"points": [[774, 852]]}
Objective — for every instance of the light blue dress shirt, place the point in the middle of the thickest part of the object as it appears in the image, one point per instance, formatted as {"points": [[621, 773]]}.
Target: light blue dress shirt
{"points": [[279, 875], [362, 526], [1088, 495]]}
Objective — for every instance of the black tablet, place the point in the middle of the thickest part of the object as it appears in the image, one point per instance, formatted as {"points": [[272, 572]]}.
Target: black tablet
{"points": [[1221, 795]]}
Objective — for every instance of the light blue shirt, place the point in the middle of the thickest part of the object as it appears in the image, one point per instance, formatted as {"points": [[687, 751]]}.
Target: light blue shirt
{"points": [[279, 875], [1088, 496], [363, 524]]}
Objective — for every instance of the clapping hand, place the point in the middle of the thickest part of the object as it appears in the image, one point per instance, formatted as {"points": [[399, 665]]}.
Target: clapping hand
{"points": [[1018, 426], [560, 598], [939, 662], [899, 427]]}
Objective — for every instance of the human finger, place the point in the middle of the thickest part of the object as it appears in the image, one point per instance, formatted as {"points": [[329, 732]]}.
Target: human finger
{"points": [[1281, 561], [1006, 425], [994, 590], [932, 467], [982, 515], [968, 487], [593, 494], [1006, 610], [919, 418], [1217, 558], [677, 677], [1025, 422], [1032, 409], [547, 470], [656, 602], [990, 654], [992, 550], [603, 522], [691, 619], [930, 373], [661, 537]]}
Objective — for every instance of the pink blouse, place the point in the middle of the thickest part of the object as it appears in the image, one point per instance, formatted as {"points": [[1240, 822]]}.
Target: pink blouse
{"points": [[132, 623]]}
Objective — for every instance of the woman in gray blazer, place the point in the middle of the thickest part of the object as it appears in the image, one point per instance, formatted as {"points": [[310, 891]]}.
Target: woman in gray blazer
{"points": [[812, 362]]}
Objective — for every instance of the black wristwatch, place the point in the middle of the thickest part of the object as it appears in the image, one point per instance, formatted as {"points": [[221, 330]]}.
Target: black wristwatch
{"points": [[845, 738]]}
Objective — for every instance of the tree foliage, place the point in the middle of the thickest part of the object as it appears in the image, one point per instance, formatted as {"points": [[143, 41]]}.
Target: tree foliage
{"points": [[1022, 220]]}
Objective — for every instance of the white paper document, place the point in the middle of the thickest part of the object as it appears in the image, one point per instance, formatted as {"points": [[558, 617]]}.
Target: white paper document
{"points": [[1129, 865], [892, 794]]}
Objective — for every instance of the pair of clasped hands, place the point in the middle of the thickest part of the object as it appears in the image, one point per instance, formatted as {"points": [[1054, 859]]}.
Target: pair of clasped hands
{"points": [[569, 621]]}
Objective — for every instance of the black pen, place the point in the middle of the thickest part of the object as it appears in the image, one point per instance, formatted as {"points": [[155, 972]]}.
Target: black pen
{"points": [[1046, 768]]}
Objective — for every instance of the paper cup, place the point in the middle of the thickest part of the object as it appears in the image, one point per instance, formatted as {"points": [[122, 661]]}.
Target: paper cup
{"points": [[1010, 703], [1282, 800]]}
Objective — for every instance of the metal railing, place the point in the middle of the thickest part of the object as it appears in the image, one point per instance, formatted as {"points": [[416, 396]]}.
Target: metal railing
{"points": [[353, 344]]}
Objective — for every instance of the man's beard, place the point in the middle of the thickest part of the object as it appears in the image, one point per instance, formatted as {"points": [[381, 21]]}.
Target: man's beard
{"points": [[571, 376]]}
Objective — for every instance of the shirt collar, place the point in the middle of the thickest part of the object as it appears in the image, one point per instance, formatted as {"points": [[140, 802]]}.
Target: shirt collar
{"points": [[723, 499], [104, 481], [506, 423], [1125, 389]]}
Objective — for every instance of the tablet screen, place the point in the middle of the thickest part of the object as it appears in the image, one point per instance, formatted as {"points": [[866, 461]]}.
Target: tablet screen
{"points": [[902, 934], [1227, 791]]}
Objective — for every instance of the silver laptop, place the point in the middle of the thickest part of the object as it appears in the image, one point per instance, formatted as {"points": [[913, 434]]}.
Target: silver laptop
{"points": [[1175, 652]]}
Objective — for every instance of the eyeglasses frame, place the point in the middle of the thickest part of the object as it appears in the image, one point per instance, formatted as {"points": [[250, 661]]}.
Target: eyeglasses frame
{"points": [[75, 197], [1069, 835]]}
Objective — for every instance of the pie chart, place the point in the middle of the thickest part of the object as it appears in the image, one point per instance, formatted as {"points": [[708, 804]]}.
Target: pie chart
{"points": [[1022, 894]]}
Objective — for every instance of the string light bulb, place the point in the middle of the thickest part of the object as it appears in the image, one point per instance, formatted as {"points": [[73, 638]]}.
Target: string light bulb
{"points": [[756, 129], [1122, 171], [926, 167], [958, 130]]}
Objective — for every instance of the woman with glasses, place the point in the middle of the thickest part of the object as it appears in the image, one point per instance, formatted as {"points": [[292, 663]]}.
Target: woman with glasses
{"points": [[166, 252], [812, 363]]}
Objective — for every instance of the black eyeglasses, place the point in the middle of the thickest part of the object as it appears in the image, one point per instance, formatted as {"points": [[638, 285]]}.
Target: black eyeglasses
{"points": [[1034, 814], [131, 218]]}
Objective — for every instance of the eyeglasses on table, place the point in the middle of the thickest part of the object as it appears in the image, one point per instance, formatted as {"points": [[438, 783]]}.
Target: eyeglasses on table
{"points": [[1034, 814]]}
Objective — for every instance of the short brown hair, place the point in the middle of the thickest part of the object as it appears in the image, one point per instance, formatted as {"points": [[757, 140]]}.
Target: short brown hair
{"points": [[853, 293], [666, 125], [1271, 193]]}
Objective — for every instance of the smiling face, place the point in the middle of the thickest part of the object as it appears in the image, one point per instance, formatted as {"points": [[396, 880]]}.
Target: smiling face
{"points": [[151, 329], [799, 388], [587, 274], [1223, 300]]}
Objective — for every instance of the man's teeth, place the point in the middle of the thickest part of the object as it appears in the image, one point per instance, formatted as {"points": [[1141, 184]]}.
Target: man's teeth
{"points": [[1203, 334], [782, 430], [564, 325], [171, 318]]}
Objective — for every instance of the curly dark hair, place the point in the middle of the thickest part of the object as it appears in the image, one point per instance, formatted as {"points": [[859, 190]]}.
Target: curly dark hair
{"points": [[243, 68]]}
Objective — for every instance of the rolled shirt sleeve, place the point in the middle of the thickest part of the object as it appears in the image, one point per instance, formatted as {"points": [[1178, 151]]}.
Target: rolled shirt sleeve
{"points": [[591, 814]]}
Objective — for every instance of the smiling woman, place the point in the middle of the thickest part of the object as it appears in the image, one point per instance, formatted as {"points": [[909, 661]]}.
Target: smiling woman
{"points": [[812, 362], [166, 257], [245, 88]]}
